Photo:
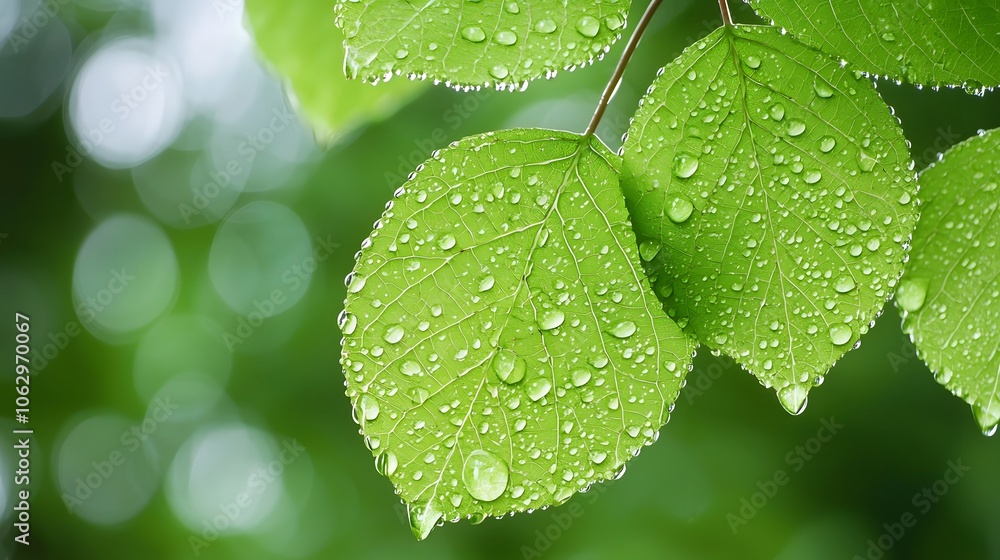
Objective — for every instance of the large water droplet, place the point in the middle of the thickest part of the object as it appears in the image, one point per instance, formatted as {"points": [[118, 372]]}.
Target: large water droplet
{"points": [[355, 282], [987, 414], [446, 242], [545, 26], [822, 88], [844, 283], [423, 517], [624, 329], [796, 127], [648, 249], [505, 38], [685, 165], [794, 398], [840, 334], [777, 111], [911, 294], [485, 475], [538, 388], [508, 367], [474, 34], [680, 209], [386, 463], [347, 322], [369, 407], [393, 334], [588, 26], [551, 319], [580, 377]]}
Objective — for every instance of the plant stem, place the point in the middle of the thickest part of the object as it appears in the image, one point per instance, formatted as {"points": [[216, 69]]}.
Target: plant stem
{"points": [[726, 18], [616, 78]]}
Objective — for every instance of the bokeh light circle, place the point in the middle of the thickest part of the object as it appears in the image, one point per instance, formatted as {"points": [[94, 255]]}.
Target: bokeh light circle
{"points": [[227, 478], [126, 104], [261, 259], [101, 469], [179, 345], [125, 276]]}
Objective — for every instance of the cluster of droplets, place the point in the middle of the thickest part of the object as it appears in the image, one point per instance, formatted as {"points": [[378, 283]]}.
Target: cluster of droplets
{"points": [[951, 318], [530, 332], [784, 243], [519, 46]]}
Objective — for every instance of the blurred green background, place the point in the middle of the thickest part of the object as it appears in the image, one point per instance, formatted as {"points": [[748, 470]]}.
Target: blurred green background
{"points": [[186, 349]]}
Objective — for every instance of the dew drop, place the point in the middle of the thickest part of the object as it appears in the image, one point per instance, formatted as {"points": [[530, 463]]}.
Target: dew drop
{"points": [[777, 111], [386, 463], [355, 282], [505, 38], [474, 34], [624, 329], [866, 162], [685, 165], [680, 209], [538, 388], [827, 144], [508, 367], [796, 127], [423, 518], [485, 475], [545, 26], [840, 334], [911, 294], [393, 334], [446, 242], [499, 71], [369, 407], [752, 61], [649, 249], [794, 398], [347, 322], [588, 26], [551, 319], [580, 377], [844, 283], [822, 88]]}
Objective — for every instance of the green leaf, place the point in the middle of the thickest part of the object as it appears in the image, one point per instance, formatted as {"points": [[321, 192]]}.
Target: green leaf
{"points": [[502, 346], [950, 294], [771, 191], [930, 42], [301, 41], [468, 43]]}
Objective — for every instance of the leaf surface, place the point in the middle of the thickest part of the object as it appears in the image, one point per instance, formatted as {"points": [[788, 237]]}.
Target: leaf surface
{"points": [[302, 43], [930, 42], [468, 43], [772, 194], [502, 347], [950, 294]]}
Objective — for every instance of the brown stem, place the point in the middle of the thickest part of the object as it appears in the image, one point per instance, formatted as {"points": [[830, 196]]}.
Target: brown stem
{"points": [[616, 78], [726, 18]]}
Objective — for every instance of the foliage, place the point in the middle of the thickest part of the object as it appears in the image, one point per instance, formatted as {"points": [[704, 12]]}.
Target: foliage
{"points": [[502, 345]]}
